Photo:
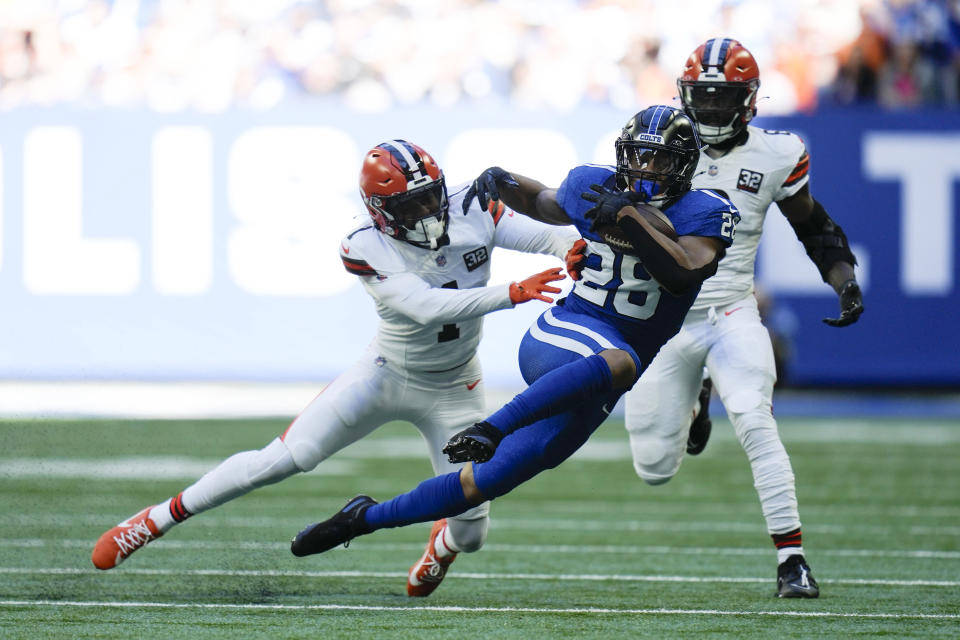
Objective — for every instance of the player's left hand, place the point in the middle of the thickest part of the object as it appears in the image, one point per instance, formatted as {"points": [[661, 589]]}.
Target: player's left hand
{"points": [[474, 444], [608, 203], [487, 190], [851, 305], [535, 286], [575, 258]]}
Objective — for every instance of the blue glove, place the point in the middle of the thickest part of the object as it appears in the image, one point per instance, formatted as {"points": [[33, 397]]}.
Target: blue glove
{"points": [[486, 190], [608, 204]]}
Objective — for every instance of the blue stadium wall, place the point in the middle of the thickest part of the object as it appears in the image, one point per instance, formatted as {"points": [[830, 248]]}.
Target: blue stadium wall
{"points": [[138, 245]]}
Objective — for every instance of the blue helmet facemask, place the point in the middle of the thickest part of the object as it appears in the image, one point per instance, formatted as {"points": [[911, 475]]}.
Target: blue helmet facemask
{"points": [[647, 188]]}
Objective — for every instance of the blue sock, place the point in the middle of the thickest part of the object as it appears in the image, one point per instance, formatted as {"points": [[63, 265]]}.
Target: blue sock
{"points": [[438, 497], [554, 393]]}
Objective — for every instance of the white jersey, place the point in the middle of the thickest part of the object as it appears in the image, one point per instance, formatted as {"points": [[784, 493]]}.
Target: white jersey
{"points": [[768, 167], [431, 303]]}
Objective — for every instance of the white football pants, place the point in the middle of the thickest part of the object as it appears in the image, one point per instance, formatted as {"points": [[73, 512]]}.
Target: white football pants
{"points": [[366, 396], [735, 348]]}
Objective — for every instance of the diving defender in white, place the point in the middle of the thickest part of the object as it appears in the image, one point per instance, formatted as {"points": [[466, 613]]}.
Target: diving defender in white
{"points": [[424, 258]]}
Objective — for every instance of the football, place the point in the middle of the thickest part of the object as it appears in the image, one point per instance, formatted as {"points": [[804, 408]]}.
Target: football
{"points": [[614, 236]]}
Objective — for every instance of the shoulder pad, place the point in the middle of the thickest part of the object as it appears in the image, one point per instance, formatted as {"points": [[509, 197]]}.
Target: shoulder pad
{"points": [[706, 200], [788, 151], [351, 252], [579, 179], [782, 144], [368, 252], [455, 196]]}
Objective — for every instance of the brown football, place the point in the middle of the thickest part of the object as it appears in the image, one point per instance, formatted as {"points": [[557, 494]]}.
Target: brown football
{"points": [[614, 236]]}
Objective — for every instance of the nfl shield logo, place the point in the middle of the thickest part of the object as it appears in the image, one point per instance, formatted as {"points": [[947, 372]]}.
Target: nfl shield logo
{"points": [[441, 261], [713, 170]]}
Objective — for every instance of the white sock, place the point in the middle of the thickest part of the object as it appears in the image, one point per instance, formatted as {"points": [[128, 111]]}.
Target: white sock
{"points": [[161, 517], [443, 544], [786, 552]]}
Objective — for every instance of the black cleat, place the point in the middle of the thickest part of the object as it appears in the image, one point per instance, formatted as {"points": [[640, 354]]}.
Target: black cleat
{"points": [[474, 444], [344, 526], [794, 579], [700, 427]]}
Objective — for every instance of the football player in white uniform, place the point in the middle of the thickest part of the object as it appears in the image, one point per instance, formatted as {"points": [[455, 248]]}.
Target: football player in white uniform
{"points": [[424, 257], [753, 167]]}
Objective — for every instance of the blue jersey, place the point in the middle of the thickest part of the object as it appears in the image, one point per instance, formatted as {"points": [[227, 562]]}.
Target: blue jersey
{"points": [[615, 287]]}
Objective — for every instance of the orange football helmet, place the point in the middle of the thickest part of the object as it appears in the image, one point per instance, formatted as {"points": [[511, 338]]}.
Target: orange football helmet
{"points": [[718, 89], [404, 191]]}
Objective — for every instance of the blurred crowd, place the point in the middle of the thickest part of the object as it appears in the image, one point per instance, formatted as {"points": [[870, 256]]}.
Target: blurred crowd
{"points": [[907, 54], [211, 55]]}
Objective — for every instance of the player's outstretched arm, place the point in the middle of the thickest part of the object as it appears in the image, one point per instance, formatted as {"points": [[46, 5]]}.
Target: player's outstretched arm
{"points": [[827, 246], [410, 295], [522, 233], [520, 193]]}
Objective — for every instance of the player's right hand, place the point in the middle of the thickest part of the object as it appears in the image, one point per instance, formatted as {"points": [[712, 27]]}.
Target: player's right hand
{"points": [[535, 286], [851, 305], [474, 444], [607, 204], [575, 258], [486, 190]]}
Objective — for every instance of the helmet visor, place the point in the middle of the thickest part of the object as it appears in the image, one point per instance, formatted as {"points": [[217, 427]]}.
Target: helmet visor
{"points": [[409, 208], [715, 104], [650, 170]]}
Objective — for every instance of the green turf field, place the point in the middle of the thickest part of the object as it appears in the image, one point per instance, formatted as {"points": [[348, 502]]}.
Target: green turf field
{"points": [[585, 550]]}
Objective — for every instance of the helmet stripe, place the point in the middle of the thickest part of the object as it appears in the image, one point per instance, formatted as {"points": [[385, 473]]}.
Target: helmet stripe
{"points": [[709, 53], [715, 53], [408, 158], [724, 47], [656, 118]]}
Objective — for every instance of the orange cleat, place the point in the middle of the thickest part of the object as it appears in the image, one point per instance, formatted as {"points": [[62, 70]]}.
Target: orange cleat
{"points": [[118, 543], [427, 574]]}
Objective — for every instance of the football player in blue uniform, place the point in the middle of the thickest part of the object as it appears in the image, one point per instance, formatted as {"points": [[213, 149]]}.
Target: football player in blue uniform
{"points": [[581, 355]]}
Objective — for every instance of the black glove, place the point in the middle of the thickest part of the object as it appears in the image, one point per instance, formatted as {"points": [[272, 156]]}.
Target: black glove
{"points": [[485, 187], [851, 305], [608, 204], [475, 444]]}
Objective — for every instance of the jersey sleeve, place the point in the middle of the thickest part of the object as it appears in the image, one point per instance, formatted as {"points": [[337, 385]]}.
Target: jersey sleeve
{"points": [[352, 254], [703, 212], [796, 167], [410, 295], [571, 190], [520, 233], [367, 253]]}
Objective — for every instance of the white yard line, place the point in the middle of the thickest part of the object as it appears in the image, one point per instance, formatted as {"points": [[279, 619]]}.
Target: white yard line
{"points": [[218, 520], [135, 467], [472, 610], [587, 549], [394, 575]]}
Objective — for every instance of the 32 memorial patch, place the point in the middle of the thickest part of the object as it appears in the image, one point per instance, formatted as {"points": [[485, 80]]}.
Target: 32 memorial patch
{"points": [[476, 258], [749, 180]]}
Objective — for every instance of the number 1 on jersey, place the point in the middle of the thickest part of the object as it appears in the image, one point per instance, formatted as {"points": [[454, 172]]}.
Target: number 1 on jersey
{"points": [[449, 332]]}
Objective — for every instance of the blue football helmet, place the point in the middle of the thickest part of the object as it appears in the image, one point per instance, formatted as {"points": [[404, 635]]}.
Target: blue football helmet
{"points": [[657, 154]]}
